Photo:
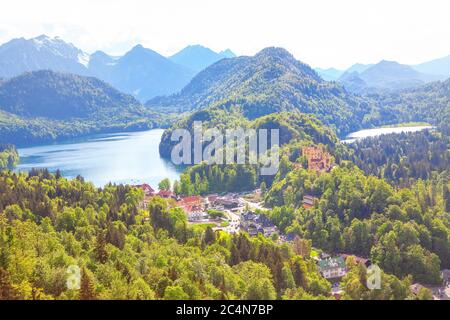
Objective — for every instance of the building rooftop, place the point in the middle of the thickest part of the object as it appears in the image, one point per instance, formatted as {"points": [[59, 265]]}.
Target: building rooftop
{"points": [[331, 263]]}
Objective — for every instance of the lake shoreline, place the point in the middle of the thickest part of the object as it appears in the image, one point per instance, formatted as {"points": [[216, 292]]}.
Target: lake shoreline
{"points": [[123, 157], [375, 132], [81, 137]]}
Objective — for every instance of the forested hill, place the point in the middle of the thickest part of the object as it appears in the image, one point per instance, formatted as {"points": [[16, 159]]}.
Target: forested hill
{"points": [[271, 81], [403, 158], [62, 96], [292, 125], [44, 105], [430, 103]]}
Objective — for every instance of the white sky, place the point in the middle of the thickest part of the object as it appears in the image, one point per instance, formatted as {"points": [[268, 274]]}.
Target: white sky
{"points": [[325, 33]]}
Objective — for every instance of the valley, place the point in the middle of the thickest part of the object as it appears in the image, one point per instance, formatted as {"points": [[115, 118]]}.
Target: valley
{"points": [[87, 178]]}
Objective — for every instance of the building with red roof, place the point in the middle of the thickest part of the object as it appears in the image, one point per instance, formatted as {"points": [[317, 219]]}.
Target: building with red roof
{"points": [[148, 190], [192, 203], [318, 159], [166, 194]]}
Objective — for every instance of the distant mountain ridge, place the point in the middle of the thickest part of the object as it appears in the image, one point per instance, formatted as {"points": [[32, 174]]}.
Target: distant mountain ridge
{"points": [[330, 74], [333, 74], [359, 67], [141, 72], [439, 66], [21, 55], [386, 75], [353, 82], [197, 57], [146, 74]]}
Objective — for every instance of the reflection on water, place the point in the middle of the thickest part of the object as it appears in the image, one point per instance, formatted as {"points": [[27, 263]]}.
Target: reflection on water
{"points": [[119, 158], [352, 137]]}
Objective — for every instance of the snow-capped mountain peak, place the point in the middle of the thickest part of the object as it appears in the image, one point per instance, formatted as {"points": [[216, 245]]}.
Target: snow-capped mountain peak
{"points": [[42, 52], [84, 59]]}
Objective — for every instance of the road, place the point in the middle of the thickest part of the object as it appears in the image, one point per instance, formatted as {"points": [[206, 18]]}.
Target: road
{"points": [[235, 222], [253, 205], [235, 217]]}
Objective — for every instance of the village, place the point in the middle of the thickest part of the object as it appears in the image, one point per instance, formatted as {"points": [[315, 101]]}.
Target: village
{"points": [[233, 212], [244, 212], [230, 212]]}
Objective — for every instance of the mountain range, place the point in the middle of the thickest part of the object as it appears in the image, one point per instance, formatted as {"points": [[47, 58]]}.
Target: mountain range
{"points": [[146, 74], [390, 74], [386, 75], [141, 72], [45, 105], [271, 81], [61, 96], [438, 66], [234, 91]]}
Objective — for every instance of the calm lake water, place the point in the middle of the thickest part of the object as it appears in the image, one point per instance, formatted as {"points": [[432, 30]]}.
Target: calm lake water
{"points": [[131, 158], [352, 137]]}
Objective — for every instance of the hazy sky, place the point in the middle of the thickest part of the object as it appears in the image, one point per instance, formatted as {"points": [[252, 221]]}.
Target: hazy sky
{"points": [[321, 33]]}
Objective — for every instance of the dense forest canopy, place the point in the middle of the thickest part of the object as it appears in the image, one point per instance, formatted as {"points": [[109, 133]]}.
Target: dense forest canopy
{"points": [[429, 103], [400, 220], [403, 158], [292, 125], [295, 130], [48, 224], [404, 230]]}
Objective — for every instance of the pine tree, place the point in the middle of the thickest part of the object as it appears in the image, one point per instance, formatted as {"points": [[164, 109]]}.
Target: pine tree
{"points": [[299, 271], [7, 291], [100, 248], [447, 197], [244, 247], [87, 291], [210, 236], [234, 255], [301, 247], [164, 184], [288, 278]]}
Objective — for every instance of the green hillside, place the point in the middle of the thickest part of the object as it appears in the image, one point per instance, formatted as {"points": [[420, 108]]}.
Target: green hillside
{"points": [[271, 81], [45, 105]]}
